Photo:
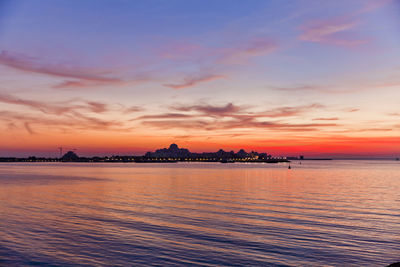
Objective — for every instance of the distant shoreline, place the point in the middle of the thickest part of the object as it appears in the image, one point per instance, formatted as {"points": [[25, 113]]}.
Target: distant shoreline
{"points": [[174, 154], [127, 159]]}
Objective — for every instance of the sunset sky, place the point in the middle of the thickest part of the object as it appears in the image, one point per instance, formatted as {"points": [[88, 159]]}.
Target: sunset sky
{"points": [[287, 77]]}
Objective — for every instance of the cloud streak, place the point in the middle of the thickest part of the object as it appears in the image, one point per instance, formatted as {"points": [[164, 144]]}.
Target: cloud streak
{"points": [[212, 110], [165, 116], [235, 124], [193, 81], [230, 116], [76, 78], [331, 31], [290, 111], [63, 123], [338, 30], [235, 111], [216, 60], [55, 108], [30, 64], [326, 119], [242, 53]]}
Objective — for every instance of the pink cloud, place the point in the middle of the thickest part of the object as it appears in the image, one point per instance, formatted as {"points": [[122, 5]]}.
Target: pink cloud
{"points": [[211, 110], [76, 77], [372, 5], [74, 84], [241, 112], [166, 116], [193, 81], [30, 64], [214, 59], [337, 31], [64, 122], [291, 111], [253, 48], [181, 50], [331, 31], [230, 116], [199, 124], [56, 108], [132, 109]]}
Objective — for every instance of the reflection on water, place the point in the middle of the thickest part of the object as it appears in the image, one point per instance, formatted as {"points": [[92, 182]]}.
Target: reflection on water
{"points": [[318, 213]]}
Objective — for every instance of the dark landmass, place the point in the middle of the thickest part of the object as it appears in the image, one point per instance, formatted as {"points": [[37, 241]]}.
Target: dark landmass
{"points": [[165, 155]]}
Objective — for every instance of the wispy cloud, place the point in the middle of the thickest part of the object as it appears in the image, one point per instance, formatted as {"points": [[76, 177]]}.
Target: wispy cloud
{"points": [[73, 121], [290, 111], [352, 109], [28, 128], [331, 31], [31, 64], [326, 119], [165, 116], [212, 110], [69, 115], [180, 124], [97, 107], [37, 105], [132, 109], [193, 81], [339, 30], [56, 107], [236, 111], [78, 78], [316, 89], [372, 5], [70, 84], [243, 52], [181, 50], [215, 61], [235, 124], [208, 117], [306, 87]]}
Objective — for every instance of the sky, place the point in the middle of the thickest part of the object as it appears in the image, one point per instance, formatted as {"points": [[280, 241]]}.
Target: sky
{"points": [[286, 77]]}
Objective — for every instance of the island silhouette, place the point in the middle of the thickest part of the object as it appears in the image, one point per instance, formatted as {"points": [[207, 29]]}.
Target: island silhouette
{"points": [[171, 154]]}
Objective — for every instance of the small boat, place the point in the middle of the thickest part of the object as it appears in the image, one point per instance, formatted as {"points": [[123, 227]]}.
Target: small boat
{"points": [[289, 167]]}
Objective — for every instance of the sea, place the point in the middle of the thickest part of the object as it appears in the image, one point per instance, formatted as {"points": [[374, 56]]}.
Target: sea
{"points": [[318, 213]]}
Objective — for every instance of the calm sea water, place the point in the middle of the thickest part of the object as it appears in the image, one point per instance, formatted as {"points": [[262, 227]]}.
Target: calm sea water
{"points": [[332, 213]]}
